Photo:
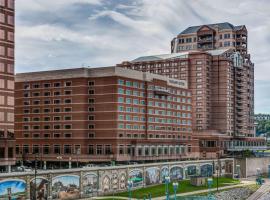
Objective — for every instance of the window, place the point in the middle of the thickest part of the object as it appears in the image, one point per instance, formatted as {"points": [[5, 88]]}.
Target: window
{"points": [[26, 103], [47, 110], [46, 149], [67, 100], [56, 93], [91, 117], [56, 84], [68, 83], [47, 126], [91, 109], [99, 149], [36, 85], [47, 94], [56, 101], [121, 82], [26, 119], [36, 127], [56, 149], [57, 126], [35, 94], [36, 135], [25, 149], [47, 85], [91, 150], [91, 100], [47, 118], [91, 126], [56, 135], [35, 149], [67, 109], [108, 149], [36, 102], [36, 110], [91, 91], [68, 92], [47, 135], [91, 83], [57, 118], [67, 118], [67, 126], [47, 101], [67, 135], [56, 110], [91, 135]]}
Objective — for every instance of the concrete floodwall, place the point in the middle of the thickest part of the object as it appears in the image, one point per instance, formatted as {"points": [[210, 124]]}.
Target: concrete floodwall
{"points": [[88, 182]]}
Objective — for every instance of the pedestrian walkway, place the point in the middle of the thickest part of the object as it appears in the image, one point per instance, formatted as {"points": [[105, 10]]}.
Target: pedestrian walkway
{"points": [[243, 183], [261, 191]]}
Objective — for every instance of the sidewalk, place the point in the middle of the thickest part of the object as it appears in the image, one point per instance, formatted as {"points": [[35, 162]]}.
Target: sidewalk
{"points": [[261, 191], [243, 183]]}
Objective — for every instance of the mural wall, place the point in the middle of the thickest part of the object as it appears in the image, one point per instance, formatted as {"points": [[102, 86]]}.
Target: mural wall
{"points": [[66, 187], [40, 186], [82, 183], [13, 188]]}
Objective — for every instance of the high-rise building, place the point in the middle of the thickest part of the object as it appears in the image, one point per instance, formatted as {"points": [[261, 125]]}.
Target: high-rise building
{"points": [[213, 59], [7, 141], [211, 36], [102, 114]]}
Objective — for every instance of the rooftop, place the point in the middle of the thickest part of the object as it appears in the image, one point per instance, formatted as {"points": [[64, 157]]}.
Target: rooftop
{"points": [[176, 55], [221, 26], [95, 73]]}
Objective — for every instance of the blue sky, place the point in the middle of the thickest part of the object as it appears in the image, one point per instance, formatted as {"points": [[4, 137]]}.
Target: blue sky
{"points": [[55, 34]]}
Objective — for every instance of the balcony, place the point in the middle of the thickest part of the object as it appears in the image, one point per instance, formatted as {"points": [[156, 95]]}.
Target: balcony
{"points": [[162, 92], [205, 39]]}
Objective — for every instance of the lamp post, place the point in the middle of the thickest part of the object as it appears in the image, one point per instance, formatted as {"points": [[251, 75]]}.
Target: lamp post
{"points": [[175, 187], [167, 181], [129, 184], [59, 158]]}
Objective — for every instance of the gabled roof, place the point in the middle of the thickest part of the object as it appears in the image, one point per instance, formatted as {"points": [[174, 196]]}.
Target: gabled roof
{"points": [[221, 26]]}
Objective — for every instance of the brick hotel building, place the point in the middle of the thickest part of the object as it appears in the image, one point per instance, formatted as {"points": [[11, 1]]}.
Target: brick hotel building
{"points": [[7, 140], [214, 61], [103, 114]]}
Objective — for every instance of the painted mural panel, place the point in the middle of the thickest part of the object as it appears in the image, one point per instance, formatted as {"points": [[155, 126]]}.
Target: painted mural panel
{"points": [[176, 173], [66, 187], [14, 188], [136, 176], [122, 181], [41, 188], [152, 175], [89, 184], [164, 173], [114, 181], [191, 170], [106, 184], [207, 170]]}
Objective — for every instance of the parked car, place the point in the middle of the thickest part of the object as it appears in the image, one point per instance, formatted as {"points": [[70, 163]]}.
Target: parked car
{"points": [[22, 169]]}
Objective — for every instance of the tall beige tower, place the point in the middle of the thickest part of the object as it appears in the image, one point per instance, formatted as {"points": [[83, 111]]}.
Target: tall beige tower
{"points": [[7, 140]]}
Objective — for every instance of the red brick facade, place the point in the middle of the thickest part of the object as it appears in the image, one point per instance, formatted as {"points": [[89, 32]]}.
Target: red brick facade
{"points": [[103, 114], [7, 140]]}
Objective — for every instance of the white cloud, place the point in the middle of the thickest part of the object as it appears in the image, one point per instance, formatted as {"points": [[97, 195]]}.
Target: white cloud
{"points": [[112, 32]]}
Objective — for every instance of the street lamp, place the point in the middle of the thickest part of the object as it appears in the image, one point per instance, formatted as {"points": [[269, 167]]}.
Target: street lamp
{"points": [[175, 187], [129, 184], [59, 158], [167, 181]]}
